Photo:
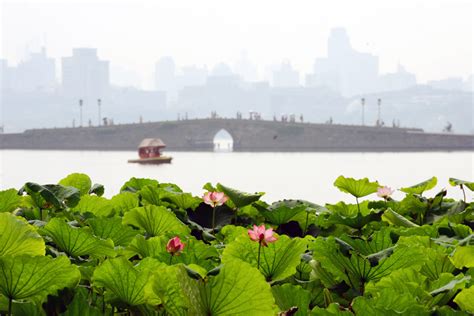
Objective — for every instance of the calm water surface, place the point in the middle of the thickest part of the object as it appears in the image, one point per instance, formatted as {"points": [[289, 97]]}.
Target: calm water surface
{"points": [[281, 175]]}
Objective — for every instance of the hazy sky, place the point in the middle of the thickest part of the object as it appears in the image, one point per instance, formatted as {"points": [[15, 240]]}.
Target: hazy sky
{"points": [[433, 38]]}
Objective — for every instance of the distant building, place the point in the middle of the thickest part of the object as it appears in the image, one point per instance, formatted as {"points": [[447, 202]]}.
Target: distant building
{"points": [[286, 76], [345, 70], [165, 77], [245, 68], [36, 74], [84, 75], [5, 75], [455, 83], [469, 84], [190, 76], [399, 80]]}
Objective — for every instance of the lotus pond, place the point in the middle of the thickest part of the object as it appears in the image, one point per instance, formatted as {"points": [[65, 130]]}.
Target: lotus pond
{"points": [[153, 249]]}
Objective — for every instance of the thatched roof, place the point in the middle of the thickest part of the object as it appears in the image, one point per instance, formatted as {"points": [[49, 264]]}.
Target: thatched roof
{"points": [[151, 142]]}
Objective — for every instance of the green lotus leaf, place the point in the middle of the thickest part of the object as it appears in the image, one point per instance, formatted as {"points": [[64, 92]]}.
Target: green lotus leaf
{"points": [[334, 309], [124, 202], [349, 214], [412, 204], [396, 219], [181, 200], [239, 198], [238, 289], [97, 205], [23, 308], [356, 269], [288, 295], [125, 282], [454, 182], [277, 261], [231, 232], [421, 187], [112, 228], [465, 301], [463, 257], [389, 303], [194, 252], [17, 237], [80, 305], [357, 188], [57, 195], [80, 181], [378, 242], [151, 195], [9, 200], [136, 184], [97, 189], [447, 283], [77, 241], [155, 220], [166, 286], [282, 212], [26, 278], [437, 262]]}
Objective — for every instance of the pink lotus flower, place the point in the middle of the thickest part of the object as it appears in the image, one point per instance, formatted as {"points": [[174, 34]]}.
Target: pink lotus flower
{"points": [[174, 246], [214, 198], [384, 192], [262, 235]]}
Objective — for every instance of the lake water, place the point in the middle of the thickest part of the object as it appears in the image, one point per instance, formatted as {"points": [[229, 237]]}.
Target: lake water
{"points": [[307, 176]]}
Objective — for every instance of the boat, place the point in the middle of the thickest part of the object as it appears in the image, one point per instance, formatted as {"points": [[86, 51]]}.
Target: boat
{"points": [[149, 152]]}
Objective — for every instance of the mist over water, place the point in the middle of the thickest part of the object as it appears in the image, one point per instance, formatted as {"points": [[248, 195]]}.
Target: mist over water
{"points": [[281, 175]]}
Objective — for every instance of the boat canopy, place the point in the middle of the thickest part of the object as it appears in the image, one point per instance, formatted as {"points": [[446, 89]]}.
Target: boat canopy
{"points": [[151, 142]]}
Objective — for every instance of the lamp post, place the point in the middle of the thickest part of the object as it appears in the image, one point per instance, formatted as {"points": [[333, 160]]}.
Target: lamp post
{"points": [[80, 112], [99, 102], [362, 102]]}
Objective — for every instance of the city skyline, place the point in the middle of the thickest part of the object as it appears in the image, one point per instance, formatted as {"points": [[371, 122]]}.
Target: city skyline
{"points": [[134, 47]]}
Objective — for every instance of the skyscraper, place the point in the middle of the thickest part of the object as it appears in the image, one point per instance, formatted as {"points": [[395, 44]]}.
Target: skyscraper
{"points": [[345, 70], [285, 76], [36, 74], [84, 75]]}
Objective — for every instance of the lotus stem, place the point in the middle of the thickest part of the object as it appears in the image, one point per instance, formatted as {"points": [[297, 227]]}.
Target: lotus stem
{"points": [[213, 218], [10, 306], [358, 207], [306, 224], [463, 193], [171, 258], [258, 258]]}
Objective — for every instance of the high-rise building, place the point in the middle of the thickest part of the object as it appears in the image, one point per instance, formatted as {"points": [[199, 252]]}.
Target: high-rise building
{"points": [[84, 75], [286, 76], [453, 83], [36, 74], [344, 69], [165, 73], [5, 75], [399, 80], [245, 68]]}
